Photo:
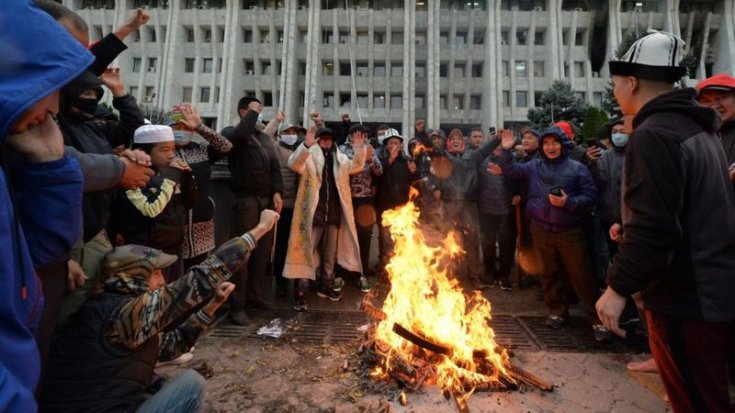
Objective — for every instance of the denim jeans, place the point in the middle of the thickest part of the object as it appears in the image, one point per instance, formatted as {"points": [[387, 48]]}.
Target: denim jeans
{"points": [[184, 394]]}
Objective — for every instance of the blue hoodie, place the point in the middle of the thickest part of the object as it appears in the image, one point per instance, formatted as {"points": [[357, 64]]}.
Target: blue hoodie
{"points": [[39, 57], [542, 174]]}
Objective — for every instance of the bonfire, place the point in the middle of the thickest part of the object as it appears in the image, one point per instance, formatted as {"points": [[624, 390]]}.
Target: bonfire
{"points": [[428, 330]]}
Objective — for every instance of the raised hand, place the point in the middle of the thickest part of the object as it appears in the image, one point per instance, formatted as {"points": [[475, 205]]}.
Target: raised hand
{"points": [[112, 79], [192, 120], [507, 139]]}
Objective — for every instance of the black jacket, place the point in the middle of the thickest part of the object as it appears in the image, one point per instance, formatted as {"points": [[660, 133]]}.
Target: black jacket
{"points": [[608, 173], [728, 141], [678, 213], [252, 161], [394, 183], [92, 136]]}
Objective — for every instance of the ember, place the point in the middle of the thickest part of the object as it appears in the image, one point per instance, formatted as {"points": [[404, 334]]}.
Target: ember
{"points": [[428, 330]]}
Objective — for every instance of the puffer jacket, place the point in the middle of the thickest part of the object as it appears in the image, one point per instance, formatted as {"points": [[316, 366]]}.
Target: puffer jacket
{"points": [[462, 183], [608, 173], [542, 174]]}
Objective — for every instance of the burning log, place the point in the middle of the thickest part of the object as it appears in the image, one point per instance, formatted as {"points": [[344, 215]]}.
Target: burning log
{"points": [[524, 376]]}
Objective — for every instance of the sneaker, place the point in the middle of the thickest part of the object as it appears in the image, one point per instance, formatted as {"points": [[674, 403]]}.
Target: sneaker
{"points": [[554, 321], [337, 284], [364, 284], [182, 359], [505, 285], [239, 318], [335, 295], [602, 334], [299, 302]]}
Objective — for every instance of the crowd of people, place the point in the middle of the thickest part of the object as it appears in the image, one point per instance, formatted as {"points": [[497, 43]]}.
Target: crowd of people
{"points": [[110, 264]]}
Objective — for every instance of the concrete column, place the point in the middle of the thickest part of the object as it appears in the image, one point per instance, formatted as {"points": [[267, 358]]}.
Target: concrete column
{"points": [[409, 69], [725, 54], [492, 108], [288, 98], [556, 39], [312, 101], [168, 78], [227, 111], [432, 66]]}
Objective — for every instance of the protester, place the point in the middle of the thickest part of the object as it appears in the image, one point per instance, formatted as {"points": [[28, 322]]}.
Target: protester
{"points": [[362, 188], [257, 185], [561, 191], [105, 361], [576, 152], [718, 92], [678, 241], [399, 173], [288, 139], [40, 192], [198, 154], [323, 229], [476, 138]]}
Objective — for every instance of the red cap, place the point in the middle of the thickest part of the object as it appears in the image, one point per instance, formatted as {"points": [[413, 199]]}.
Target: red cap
{"points": [[567, 128], [721, 82]]}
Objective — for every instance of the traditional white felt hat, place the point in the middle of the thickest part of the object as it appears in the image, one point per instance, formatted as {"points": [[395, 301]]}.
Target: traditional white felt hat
{"points": [[653, 57], [153, 134]]}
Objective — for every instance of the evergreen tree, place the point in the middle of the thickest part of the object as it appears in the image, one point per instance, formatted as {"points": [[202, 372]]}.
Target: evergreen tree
{"points": [[593, 120], [564, 103]]}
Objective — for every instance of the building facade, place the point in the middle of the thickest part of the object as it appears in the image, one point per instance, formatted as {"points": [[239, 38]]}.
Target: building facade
{"points": [[471, 62]]}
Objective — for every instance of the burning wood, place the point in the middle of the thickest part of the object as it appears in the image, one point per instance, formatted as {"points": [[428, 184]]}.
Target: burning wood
{"points": [[428, 330]]}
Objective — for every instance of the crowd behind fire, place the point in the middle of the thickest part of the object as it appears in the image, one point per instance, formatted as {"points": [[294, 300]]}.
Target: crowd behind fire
{"points": [[98, 288]]}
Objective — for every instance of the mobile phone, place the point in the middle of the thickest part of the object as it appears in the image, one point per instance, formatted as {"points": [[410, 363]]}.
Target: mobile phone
{"points": [[555, 190], [592, 142]]}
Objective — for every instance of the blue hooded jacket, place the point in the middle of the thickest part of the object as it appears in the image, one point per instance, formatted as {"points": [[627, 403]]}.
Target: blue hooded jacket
{"points": [[39, 57], [542, 174]]}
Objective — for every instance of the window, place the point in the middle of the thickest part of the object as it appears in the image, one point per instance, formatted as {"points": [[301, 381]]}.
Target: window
{"points": [[444, 38], [538, 68], [379, 70], [397, 37], [597, 98], [328, 69], [219, 65], [460, 39], [152, 63], [579, 38], [189, 65], [151, 34], [362, 37], [327, 36], [362, 100], [537, 97], [477, 70], [207, 35], [249, 67], [505, 67], [504, 37], [443, 70], [521, 69], [279, 36], [304, 36], [581, 95], [379, 37], [420, 38], [538, 38], [565, 37], [345, 98], [344, 37], [345, 69], [506, 98], [521, 36], [216, 95], [442, 101], [189, 33], [396, 69], [458, 102], [329, 100], [579, 69], [420, 70], [459, 69], [475, 102], [267, 68], [419, 101], [362, 69], [478, 38], [204, 95], [265, 36], [137, 62], [302, 66], [186, 95], [267, 99], [396, 101], [521, 99], [221, 34], [149, 93], [379, 101], [247, 36], [207, 65], [133, 90]]}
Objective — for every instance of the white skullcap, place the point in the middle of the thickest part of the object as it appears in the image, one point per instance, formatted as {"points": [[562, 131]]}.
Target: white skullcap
{"points": [[153, 134]]}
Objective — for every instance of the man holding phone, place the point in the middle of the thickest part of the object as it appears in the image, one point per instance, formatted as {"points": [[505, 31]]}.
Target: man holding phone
{"points": [[560, 192]]}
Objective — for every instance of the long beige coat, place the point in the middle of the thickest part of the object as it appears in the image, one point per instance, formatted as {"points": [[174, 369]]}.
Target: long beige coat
{"points": [[309, 163]]}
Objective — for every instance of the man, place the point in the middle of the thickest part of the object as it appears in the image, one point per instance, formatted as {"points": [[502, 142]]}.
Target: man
{"points": [[718, 92], [678, 244], [257, 185], [362, 186], [105, 361], [476, 139], [560, 192], [576, 152], [323, 229], [40, 194]]}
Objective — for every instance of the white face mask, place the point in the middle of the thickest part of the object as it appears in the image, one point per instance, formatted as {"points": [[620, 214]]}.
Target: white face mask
{"points": [[260, 118], [183, 138], [619, 139], [289, 140]]}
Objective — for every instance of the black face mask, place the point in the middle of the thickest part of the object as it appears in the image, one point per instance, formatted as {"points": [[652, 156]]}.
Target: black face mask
{"points": [[88, 106]]}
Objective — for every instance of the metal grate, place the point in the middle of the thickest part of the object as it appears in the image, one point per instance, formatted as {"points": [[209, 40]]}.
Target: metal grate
{"points": [[327, 327], [510, 334], [575, 337]]}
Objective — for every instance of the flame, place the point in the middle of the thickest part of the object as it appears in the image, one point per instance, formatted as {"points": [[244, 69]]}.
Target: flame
{"points": [[425, 299]]}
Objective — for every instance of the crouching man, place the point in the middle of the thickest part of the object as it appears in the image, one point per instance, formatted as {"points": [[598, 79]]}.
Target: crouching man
{"points": [[104, 361]]}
